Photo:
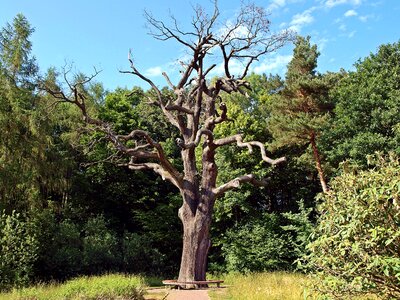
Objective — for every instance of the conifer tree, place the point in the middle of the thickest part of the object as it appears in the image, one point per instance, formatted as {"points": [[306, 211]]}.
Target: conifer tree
{"points": [[301, 109]]}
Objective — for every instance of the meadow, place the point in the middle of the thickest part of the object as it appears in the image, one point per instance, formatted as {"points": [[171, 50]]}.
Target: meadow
{"points": [[256, 286]]}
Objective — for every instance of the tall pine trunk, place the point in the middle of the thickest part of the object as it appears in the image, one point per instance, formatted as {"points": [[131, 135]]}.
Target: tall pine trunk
{"points": [[318, 164]]}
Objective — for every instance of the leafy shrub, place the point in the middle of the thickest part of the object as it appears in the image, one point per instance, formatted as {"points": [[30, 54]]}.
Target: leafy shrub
{"points": [[101, 251], [258, 245], [356, 246], [271, 242], [60, 246], [139, 255], [18, 251]]}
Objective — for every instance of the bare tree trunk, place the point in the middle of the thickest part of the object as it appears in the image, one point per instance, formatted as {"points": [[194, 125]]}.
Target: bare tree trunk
{"points": [[318, 165], [196, 243]]}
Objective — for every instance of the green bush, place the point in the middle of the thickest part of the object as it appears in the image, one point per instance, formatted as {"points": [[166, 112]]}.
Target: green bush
{"points": [[271, 242], [60, 246], [18, 251], [140, 256], [101, 251], [356, 244], [258, 245]]}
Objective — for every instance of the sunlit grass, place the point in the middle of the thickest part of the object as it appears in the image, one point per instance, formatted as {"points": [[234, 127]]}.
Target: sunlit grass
{"points": [[113, 286], [261, 286], [267, 286]]}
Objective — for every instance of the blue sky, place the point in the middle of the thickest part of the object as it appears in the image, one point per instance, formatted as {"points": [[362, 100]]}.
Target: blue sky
{"points": [[100, 33]]}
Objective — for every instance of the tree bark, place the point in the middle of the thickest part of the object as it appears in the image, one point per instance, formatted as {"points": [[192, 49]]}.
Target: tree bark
{"points": [[196, 243], [318, 164]]}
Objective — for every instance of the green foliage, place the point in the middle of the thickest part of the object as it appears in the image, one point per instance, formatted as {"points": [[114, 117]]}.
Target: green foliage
{"points": [[32, 167], [140, 256], [299, 228], [287, 183], [367, 112], [15, 48], [300, 110], [100, 246], [356, 243], [256, 245], [18, 251], [272, 242], [60, 246]]}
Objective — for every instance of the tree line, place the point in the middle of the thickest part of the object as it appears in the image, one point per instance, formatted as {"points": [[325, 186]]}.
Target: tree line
{"points": [[70, 207]]}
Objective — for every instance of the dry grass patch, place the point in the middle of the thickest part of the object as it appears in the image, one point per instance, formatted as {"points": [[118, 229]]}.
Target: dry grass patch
{"points": [[261, 286]]}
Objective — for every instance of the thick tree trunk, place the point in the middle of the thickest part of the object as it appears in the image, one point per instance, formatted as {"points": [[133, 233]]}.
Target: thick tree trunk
{"points": [[196, 243], [318, 165]]}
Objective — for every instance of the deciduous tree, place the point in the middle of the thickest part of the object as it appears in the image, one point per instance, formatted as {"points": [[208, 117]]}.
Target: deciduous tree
{"points": [[194, 109]]}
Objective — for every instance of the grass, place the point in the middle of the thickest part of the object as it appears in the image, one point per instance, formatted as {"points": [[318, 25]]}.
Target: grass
{"points": [[261, 286], [112, 286], [257, 286], [268, 286]]}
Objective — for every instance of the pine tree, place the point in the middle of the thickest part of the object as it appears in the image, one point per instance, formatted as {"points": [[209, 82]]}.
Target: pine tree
{"points": [[301, 109]]}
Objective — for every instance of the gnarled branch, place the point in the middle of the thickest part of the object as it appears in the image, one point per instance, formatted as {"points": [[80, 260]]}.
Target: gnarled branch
{"points": [[235, 183], [239, 142]]}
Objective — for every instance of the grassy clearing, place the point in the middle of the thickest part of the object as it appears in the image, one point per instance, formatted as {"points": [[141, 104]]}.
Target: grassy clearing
{"points": [[271, 286], [113, 286], [261, 286]]}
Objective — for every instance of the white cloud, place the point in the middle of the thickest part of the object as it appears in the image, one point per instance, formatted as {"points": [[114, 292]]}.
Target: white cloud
{"points": [[273, 64], [332, 3], [342, 27], [302, 19], [280, 4], [275, 4], [277, 63], [350, 13], [235, 68], [153, 72], [365, 18], [351, 34], [321, 43]]}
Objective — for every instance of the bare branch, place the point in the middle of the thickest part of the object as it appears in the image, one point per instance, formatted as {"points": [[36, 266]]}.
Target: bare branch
{"points": [[135, 72], [239, 142], [168, 81], [162, 32], [235, 183], [157, 168], [195, 143]]}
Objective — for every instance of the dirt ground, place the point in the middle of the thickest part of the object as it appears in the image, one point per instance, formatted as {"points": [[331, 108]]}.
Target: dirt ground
{"points": [[171, 294]]}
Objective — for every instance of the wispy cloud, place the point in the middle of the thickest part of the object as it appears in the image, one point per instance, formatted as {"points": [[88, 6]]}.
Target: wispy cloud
{"points": [[332, 3], [153, 72], [274, 64], [277, 64], [302, 19], [351, 34], [321, 43], [280, 4], [366, 18], [275, 4], [350, 13]]}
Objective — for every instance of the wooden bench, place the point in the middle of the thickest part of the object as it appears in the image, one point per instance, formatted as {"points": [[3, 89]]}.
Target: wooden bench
{"points": [[178, 284]]}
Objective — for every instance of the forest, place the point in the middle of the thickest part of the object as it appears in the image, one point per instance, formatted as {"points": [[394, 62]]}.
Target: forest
{"points": [[81, 194]]}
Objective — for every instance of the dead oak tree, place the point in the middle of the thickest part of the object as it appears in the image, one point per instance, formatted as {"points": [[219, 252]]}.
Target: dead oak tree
{"points": [[195, 111]]}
